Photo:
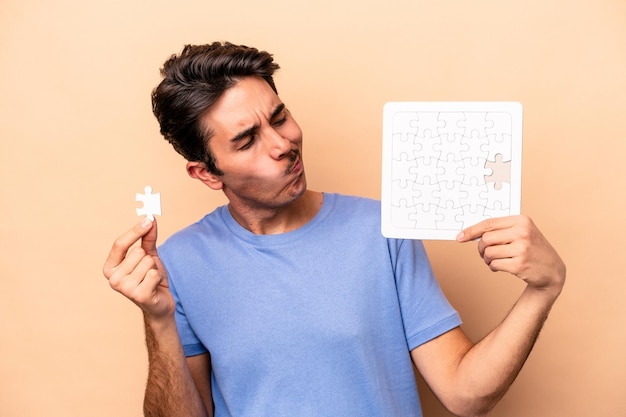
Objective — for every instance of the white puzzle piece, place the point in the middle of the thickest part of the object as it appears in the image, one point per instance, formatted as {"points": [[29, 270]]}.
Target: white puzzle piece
{"points": [[151, 203], [449, 165]]}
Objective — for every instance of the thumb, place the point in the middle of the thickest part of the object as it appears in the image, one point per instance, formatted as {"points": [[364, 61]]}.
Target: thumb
{"points": [[149, 244], [149, 240]]}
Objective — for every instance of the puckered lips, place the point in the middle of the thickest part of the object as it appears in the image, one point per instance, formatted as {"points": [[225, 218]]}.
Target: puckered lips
{"points": [[295, 166]]}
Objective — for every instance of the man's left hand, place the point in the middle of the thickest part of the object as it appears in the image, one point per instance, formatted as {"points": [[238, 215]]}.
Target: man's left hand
{"points": [[514, 244]]}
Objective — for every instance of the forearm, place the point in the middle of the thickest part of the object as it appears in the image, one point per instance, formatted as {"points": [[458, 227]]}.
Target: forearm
{"points": [[170, 390], [489, 368]]}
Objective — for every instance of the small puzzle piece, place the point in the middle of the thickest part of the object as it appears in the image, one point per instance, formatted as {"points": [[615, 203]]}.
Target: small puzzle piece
{"points": [[471, 216], [426, 216], [498, 210], [426, 193], [501, 195], [475, 172], [476, 123], [403, 170], [402, 191], [405, 122], [450, 214], [473, 197], [404, 144], [428, 121], [452, 167], [151, 203], [475, 146], [452, 126], [401, 215], [427, 145], [427, 171], [501, 145], [451, 192], [501, 125], [450, 145]]}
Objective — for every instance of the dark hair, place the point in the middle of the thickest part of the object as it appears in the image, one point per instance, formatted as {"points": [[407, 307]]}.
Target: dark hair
{"points": [[192, 82]]}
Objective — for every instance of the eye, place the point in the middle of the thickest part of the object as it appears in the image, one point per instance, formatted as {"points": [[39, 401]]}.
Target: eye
{"points": [[249, 142], [281, 120]]}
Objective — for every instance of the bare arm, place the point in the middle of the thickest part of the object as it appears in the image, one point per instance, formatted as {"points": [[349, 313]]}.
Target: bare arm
{"points": [[471, 378], [200, 367], [171, 390], [137, 273]]}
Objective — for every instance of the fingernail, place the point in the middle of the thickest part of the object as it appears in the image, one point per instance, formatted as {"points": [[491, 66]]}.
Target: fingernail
{"points": [[145, 223], [460, 236]]}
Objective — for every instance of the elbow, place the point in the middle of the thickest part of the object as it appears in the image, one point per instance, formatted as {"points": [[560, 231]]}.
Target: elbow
{"points": [[475, 405], [472, 404], [471, 411]]}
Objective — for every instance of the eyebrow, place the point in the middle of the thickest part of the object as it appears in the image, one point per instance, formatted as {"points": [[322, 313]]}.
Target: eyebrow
{"points": [[245, 133]]}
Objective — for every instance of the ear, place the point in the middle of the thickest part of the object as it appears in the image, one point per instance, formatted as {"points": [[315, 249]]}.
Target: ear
{"points": [[199, 171]]}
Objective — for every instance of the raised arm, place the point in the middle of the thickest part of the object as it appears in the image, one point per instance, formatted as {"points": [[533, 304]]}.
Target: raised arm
{"points": [[470, 378], [137, 272]]}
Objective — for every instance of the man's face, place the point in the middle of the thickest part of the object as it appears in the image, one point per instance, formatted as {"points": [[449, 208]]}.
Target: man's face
{"points": [[257, 145]]}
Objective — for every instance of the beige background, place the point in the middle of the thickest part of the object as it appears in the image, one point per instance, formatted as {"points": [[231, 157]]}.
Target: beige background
{"points": [[78, 140]]}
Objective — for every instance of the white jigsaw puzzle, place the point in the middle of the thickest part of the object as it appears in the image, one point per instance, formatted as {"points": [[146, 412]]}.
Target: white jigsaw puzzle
{"points": [[151, 203], [449, 165]]}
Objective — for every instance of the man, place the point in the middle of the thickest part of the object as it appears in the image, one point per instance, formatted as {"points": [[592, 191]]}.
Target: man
{"points": [[289, 302]]}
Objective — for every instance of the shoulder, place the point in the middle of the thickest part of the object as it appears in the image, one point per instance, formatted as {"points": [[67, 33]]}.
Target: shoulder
{"points": [[359, 214], [209, 226], [352, 204], [346, 198]]}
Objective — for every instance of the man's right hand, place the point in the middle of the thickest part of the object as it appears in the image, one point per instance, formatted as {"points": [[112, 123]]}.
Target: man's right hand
{"points": [[137, 272]]}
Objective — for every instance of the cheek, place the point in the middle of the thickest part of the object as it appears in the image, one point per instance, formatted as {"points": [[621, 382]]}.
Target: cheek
{"points": [[252, 170], [292, 132]]}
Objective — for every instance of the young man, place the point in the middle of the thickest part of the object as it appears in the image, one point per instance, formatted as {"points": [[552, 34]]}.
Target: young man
{"points": [[289, 302]]}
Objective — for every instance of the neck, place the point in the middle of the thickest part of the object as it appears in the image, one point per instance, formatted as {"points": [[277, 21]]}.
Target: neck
{"points": [[276, 220]]}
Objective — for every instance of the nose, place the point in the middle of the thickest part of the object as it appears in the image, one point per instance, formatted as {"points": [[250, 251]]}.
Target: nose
{"points": [[279, 146]]}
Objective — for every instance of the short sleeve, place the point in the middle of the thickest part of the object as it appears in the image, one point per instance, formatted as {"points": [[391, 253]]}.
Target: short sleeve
{"points": [[191, 344], [426, 312]]}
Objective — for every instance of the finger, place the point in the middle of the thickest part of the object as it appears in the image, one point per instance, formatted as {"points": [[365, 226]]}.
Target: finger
{"points": [[478, 230], [151, 296], [130, 263], [496, 252], [129, 283], [123, 243], [496, 238], [151, 281], [509, 265]]}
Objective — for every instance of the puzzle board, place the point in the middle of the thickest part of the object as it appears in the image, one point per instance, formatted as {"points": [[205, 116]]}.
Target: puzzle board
{"points": [[448, 165]]}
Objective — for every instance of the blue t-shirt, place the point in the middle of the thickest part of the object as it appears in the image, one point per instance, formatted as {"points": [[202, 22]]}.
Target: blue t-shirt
{"points": [[319, 321]]}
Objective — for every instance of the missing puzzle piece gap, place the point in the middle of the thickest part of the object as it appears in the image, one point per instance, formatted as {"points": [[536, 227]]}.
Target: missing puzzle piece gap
{"points": [[151, 203]]}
